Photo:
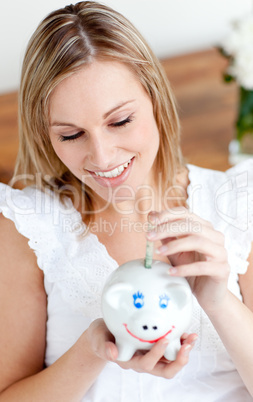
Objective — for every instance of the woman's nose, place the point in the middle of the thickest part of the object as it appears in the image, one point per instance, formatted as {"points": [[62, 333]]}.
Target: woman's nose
{"points": [[101, 152]]}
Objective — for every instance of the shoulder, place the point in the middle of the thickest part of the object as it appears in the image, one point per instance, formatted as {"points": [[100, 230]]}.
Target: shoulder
{"points": [[24, 299], [202, 174], [221, 190], [39, 217], [29, 200], [33, 210], [226, 200], [17, 255], [229, 192]]}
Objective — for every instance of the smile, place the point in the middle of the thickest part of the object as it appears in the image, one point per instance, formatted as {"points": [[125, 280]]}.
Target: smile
{"points": [[144, 340], [114, 177], [115, 172]]}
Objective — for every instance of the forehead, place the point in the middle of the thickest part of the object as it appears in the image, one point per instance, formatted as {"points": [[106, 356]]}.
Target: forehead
{"points": [[100, 84]]}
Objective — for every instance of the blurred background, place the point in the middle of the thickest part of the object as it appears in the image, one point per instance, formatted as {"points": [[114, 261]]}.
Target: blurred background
{"points": [[171, 27], [183, 34]]}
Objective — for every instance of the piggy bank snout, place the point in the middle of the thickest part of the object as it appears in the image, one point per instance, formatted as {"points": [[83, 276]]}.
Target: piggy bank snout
{"points": [[147, 325], [146, 321]]}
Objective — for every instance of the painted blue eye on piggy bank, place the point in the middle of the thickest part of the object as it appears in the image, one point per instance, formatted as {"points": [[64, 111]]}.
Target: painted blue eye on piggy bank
{"points": [[139, 300], [164, 301], [140, 306]]}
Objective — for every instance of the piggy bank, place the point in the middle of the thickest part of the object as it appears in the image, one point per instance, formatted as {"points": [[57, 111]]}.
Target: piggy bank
{"points": [[141, 306]]}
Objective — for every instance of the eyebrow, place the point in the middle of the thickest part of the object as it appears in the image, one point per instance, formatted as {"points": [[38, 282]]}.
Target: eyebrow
{"points": [[117, 107], [60, 124]]}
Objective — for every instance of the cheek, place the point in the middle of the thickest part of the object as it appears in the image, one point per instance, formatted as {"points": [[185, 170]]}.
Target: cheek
{"points": [[56, 145], [145, 133], [69, 155], [149, 137]]}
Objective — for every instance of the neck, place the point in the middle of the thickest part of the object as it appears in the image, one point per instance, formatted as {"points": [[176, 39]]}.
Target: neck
{"points": [[148, 197]]}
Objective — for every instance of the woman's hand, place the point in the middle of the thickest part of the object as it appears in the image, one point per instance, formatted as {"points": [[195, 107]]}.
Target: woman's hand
{"points": [[196, 251], [101, 340], [152, 361]]}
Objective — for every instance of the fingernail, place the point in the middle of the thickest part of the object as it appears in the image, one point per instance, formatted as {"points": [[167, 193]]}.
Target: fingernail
{"points": [[173, 271], [152, 217], [161, 250], [165, 341], [108, 353], [187, 350], [194, 341], [151, 235]]}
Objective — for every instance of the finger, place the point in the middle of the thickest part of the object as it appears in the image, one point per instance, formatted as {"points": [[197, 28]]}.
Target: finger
{"points": [[102, 341], [193, 243], [145, 361], [174, 214], [184, 228], [190, 339], [148, 361], [201, 268], [181, 359], [170, 369], [183, 337], [151, 363], [111, 351]]}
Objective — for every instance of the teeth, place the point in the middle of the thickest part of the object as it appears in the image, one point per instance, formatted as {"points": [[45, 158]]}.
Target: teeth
{"points": [[113, 173]]}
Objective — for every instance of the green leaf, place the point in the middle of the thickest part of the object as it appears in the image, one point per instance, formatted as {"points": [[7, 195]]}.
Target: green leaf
{"points": [[228, 77], [244, 124]]}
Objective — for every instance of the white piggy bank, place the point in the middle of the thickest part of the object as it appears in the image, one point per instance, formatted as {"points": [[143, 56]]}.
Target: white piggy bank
{"points": [[142, 305]]}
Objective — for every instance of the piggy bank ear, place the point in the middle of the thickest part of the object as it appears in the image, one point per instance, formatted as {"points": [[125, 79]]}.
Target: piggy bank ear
{"points": [[180, 294], [116, 294]]}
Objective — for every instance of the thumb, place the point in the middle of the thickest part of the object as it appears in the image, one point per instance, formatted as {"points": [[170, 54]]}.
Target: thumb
{"points": [[111, 351], [102, 341]]}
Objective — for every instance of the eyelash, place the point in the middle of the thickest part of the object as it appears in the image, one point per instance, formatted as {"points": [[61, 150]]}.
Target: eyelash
{"points": [[71, 137], [123, 123], [118, 124]]}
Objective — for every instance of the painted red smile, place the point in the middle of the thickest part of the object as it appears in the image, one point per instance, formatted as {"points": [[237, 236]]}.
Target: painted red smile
{"points": [[151, 341]]}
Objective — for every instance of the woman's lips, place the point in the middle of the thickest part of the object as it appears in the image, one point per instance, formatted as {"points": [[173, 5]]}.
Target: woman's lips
{"points": [[113, 181]]}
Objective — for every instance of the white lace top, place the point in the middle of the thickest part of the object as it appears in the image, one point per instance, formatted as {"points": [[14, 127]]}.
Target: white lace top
{"points": [[76, 267]]}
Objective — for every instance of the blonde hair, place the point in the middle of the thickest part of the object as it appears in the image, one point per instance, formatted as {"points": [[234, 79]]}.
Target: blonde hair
{"points": [[63, 43]]}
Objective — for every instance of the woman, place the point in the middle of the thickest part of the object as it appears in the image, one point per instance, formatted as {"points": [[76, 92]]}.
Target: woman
{"points": [[99, 148]]}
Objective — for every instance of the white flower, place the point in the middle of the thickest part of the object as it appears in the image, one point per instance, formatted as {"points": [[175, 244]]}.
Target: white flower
{"points": [[239, 45]]}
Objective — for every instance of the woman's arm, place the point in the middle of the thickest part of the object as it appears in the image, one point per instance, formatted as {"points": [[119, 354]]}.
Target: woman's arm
{"points": [[238, 318], [234, 323], [200, 256], [23, 307], [246, 283]]}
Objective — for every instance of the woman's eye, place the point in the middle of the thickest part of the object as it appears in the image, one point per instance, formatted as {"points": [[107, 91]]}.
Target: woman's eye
{"points": [[122, 122], [71, 137]]}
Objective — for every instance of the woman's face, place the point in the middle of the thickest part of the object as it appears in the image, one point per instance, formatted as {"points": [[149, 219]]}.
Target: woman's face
{"points": [[103, 129]]}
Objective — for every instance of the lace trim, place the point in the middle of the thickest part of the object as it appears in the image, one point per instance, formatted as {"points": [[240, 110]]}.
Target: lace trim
{"points": [[78, 265]]}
